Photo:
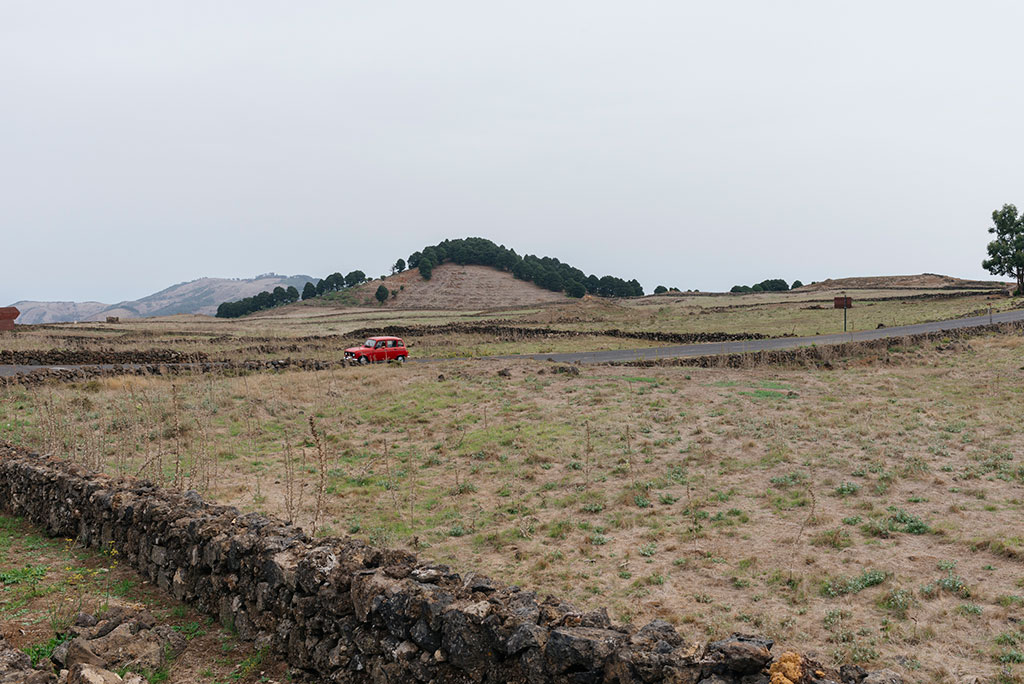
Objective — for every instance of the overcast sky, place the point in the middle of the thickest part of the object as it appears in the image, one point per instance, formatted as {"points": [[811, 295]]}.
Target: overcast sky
{"points": [[695, 145]]}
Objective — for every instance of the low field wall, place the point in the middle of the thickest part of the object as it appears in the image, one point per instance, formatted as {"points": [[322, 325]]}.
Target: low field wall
{"points": [[59, 357], [38, 376], [512, 332], [346, 612]]}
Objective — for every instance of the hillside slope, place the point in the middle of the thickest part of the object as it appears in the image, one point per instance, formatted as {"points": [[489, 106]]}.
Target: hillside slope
{"points": [[916, 282], [200, 296], [453, 287], [52, 312]]}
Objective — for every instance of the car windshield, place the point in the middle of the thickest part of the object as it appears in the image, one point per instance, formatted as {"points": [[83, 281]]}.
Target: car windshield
{"points": [[368, 343]]}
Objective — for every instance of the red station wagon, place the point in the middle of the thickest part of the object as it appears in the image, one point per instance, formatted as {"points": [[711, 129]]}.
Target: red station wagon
{"points": [[378, 350]]}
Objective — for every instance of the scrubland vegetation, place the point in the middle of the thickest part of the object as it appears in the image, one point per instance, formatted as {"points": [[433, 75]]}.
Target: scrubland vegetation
{"points": [[869, 513]]}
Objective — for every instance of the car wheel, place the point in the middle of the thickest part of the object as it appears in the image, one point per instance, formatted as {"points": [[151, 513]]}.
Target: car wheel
{"points": [[363, 360], [400, 359]]}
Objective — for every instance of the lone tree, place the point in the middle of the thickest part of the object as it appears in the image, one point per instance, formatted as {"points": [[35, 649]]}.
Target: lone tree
{"points": [[382, 294], [399, 266], [1006, 252]]}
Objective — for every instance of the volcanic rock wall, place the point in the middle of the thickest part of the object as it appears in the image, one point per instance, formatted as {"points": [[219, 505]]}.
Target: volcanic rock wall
{"points": [[59, 357], [347, 612], [513, 332]]}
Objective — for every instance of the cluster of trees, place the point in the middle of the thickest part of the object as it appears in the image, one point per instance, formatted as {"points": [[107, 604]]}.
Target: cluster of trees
{"points": [[771, 285], [264, 300], [333, 283], [280, 296], [546, 272]]}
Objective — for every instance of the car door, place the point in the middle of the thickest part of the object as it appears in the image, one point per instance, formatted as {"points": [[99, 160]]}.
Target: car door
{"points": [[381, 352]]}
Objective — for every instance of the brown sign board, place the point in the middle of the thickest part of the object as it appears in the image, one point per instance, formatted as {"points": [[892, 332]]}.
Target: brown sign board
{"points": [[843, 303], [7, 316]]}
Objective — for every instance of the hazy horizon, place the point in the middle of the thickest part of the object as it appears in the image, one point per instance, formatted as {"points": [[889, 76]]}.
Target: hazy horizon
{"points": [[692, 146]]}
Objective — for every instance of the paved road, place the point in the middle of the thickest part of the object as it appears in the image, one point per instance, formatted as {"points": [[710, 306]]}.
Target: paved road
{"points": [[712, 348]]}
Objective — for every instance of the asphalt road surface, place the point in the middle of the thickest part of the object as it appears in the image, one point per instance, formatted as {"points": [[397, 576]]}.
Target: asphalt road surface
{"points": [[713, 348], [741, 347]]}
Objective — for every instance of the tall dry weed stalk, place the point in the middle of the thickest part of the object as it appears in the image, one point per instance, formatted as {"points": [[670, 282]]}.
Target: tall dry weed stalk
{"points": [[389, 472], [292, 499], [176, 424], [321, 457], [588, 458]]}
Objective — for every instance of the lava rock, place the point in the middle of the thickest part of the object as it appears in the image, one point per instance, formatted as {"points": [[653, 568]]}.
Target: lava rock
{"points": [[739, 654]]}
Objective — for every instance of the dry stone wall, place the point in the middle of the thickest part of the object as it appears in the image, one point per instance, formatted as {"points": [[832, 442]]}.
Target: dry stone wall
{"points": [[513, 332], [58, 357], [38, 376], [343, 611]]}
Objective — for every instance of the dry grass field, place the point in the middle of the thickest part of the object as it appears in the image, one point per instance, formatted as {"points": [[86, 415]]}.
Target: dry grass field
{"points": [[870, 512]]}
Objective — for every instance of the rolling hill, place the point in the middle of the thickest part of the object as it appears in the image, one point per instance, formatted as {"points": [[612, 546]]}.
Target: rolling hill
{"points": [[921, 281], [195, 296], [454, 287]]}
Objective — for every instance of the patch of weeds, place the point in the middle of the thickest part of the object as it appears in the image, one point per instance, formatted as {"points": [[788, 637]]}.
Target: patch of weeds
{"points": [[642, 501], [648, 550], [835, 538], [852, 520], [897, 602], [40, 652], [667, 499], [189, 630], [898, 520], [1010, 656], [593, 507], [789, 500], [968, 609], [851, 646], [902, 521], [788, 480], [768, 394], [852, 585], [30, 574], [951, 583], [847, 489]]}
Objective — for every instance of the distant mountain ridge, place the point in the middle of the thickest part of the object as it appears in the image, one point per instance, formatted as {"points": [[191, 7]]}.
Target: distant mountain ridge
{"points": [[200, 296]]}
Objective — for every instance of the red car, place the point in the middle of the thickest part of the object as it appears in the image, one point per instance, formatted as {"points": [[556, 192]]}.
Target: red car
{"points": [[378, 350]]}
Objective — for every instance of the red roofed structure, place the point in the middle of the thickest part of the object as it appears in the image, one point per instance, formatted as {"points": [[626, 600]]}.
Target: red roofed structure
{"points": [[7, 316]]}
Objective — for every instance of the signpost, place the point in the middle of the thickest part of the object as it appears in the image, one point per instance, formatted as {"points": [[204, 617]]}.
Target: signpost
{"points": [[843, 303], [7, 316]]}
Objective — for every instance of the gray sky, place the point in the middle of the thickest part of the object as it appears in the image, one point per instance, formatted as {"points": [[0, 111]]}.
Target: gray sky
{"points": [[689, 144]]}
